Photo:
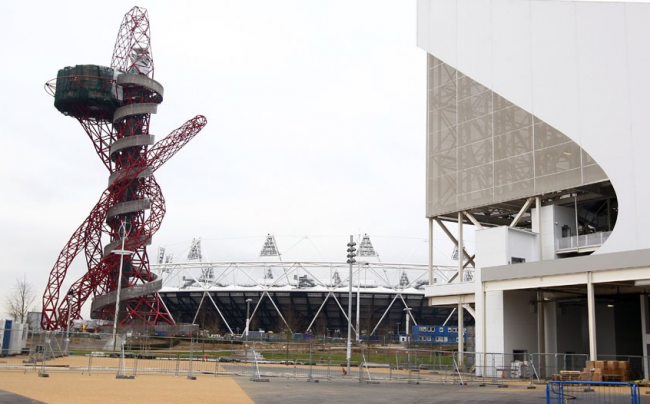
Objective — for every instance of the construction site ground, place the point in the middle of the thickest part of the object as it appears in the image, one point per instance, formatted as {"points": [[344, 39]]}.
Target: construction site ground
{"points": [[66, 383], [78, 388], [75, 387]]}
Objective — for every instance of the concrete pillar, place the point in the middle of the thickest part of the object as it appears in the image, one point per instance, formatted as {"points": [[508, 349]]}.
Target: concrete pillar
{"points": [[591, 316], [482, 328], [461, 326], [461, 247], [430, 251], [645, 335], [541, 338], [538, 219]]}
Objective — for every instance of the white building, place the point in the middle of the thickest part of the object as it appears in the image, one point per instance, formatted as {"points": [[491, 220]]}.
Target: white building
{"points": [[13, 337], [539, 138]]}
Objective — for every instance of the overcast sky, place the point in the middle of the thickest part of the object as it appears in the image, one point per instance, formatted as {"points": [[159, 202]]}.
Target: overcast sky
{"points": [[316, 127]]}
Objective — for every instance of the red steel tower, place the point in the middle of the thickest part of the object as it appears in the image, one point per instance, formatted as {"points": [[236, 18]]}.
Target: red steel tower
{"points": [[114, 106]]}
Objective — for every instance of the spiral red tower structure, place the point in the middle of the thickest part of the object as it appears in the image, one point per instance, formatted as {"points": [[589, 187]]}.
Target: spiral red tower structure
{"points": [[114, 106]]}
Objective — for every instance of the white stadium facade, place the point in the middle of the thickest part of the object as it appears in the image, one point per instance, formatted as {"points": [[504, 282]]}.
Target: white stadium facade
{"points": [[300, 297], [538, 141]]}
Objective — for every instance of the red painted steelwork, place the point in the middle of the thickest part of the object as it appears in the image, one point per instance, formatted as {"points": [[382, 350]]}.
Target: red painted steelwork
{"points": [[132, 168]]}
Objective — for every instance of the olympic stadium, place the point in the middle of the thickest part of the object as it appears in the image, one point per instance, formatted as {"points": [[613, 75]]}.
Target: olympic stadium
{"points": [[299, 297]]}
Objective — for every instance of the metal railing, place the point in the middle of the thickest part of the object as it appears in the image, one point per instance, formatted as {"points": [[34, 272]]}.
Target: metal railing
{"points": [[583, 241]]}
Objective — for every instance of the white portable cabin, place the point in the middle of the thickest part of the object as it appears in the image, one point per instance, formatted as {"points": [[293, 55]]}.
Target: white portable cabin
{"points": [[13, 337]]}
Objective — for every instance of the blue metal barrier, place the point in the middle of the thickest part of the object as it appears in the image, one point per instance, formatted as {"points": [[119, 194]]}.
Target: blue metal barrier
{"points": [[563, 392]]}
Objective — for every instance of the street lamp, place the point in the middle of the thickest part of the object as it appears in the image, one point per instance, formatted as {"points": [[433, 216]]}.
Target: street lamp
{"points": [[248, 309], [351, 261], [67, 328], [122, 233]]}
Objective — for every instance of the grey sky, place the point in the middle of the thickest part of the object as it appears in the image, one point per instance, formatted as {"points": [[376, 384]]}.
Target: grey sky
{"points": [[316, 126]]}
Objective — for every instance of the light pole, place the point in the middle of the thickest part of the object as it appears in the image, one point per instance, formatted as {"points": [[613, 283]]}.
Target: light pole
{"points": [[122, 232], [359, 300], [67, 328], [398, 323], [408, 321], [248, 309], [351, 261], [408, 332]]}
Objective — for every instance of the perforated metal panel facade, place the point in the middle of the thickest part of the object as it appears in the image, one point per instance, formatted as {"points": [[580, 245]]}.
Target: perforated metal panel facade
{"points": [[483, 149]]}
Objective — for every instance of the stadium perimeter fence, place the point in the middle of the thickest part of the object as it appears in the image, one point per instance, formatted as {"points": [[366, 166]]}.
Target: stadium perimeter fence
{"points": [[50, 352]]}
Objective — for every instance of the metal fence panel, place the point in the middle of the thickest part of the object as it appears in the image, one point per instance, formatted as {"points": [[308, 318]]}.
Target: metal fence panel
{"points": [[316, 359], [545, 366], [561, 392], [150, 363]]}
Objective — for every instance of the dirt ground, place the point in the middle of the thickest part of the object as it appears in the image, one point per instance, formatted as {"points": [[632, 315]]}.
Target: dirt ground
{"points": [[75, 388]]}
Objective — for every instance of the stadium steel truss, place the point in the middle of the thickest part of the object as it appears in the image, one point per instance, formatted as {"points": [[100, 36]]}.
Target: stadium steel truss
{"points": [[114, 105], [300, 297]]}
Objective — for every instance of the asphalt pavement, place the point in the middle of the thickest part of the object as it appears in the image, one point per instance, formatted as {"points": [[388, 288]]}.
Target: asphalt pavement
{"points": [[283, 391], [11, 398]]}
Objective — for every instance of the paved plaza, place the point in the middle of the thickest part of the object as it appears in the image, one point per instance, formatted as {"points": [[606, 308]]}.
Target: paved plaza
{"points": [[72, 387]]}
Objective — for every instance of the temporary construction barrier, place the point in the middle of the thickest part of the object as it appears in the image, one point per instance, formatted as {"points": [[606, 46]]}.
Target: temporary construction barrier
{"points": [[592, 392]]}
